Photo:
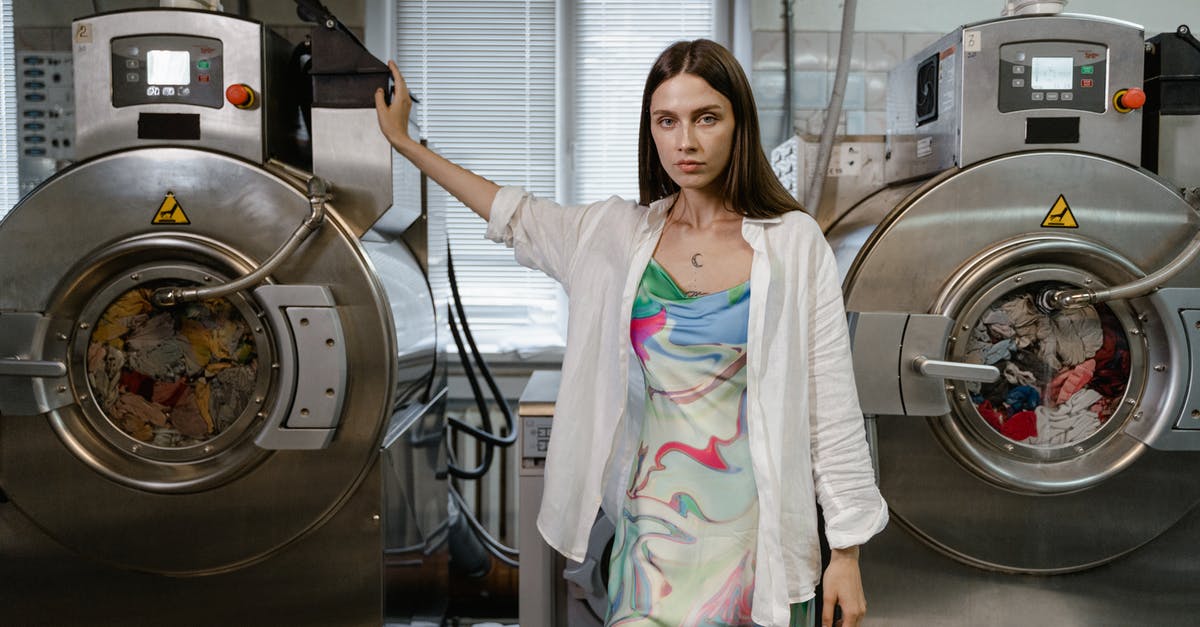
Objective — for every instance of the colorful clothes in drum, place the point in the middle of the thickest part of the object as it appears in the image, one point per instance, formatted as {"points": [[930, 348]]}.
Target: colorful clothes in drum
{"points": [[685, 542]]}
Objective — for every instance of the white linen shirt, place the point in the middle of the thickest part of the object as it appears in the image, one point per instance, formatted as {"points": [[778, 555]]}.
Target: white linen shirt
{"points": [[806, 432]]}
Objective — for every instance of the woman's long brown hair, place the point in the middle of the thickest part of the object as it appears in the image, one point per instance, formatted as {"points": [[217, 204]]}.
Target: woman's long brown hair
{"points": [[750, 187]]}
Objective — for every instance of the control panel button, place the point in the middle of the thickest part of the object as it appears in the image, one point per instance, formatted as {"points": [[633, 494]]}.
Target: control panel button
{"points": [[131, 77], [1051, 95], [168, 91], [1127, 100], [202, 78], [1087, 69], [1018, 82], [131, 64], [152, 91], [241, 96], [1038, 96], [1018, 69], [1087, 82], [1066, 95], [203, 64]]}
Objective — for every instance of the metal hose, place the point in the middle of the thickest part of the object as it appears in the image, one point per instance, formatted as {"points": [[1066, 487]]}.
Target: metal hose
{"points": [[812, 200], [1074, 299], [318, 197]]}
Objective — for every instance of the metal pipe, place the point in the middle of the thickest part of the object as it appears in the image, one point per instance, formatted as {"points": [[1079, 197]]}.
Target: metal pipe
{"points": [[1074, 299], [789, 122], [812, 200], [318, 197]]}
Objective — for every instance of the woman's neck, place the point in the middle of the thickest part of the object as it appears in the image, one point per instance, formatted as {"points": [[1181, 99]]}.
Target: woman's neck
{"points": [[700, 208]]}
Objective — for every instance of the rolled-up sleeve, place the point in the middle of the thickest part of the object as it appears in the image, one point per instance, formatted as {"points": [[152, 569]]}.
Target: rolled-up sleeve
{"points": [[843, 476], [543, 234]]}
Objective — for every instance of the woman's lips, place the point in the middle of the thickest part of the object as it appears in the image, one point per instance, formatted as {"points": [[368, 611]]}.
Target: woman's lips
{"points": [[688, 166]]}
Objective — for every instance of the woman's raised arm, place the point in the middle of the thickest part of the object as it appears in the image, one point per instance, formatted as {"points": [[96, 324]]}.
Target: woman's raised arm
{"points": [[469, 188]]}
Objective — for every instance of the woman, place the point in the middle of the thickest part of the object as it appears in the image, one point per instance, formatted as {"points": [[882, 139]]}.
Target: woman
{"points": [[707, 396]]}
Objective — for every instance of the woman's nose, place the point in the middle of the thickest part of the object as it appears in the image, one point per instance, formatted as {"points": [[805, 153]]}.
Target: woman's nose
{"points": [[687, 138]]}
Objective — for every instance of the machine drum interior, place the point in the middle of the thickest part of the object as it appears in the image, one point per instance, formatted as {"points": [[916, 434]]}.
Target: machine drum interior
{"points": [[1064, 373], [171, 377]]}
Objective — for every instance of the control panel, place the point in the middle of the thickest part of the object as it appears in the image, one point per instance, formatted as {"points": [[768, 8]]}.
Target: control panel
{"points": [[178, 69], [1053, 75], [45, 115]]}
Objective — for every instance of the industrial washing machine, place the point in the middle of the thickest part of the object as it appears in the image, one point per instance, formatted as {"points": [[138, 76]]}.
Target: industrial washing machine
{"points": [[1025, 312], [221, 385]]}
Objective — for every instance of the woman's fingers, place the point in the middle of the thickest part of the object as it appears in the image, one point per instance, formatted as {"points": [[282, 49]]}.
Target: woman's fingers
{"points": [[393, 117]]}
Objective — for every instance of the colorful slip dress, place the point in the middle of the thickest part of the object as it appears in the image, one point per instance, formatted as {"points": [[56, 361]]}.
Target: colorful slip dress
{"points": [[684, 547]]}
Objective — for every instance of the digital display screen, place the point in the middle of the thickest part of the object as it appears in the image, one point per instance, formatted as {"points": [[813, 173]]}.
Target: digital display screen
{"points": [[170, 67], [1052, 73]]}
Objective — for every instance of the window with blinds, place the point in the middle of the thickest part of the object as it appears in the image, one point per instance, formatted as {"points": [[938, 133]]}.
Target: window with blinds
{"points": [[615, 42], [484, 72], [10, 189]]}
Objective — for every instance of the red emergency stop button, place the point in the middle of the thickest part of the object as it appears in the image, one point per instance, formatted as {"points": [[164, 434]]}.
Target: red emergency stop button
{"points": [[241, 96], [1127, 100]]}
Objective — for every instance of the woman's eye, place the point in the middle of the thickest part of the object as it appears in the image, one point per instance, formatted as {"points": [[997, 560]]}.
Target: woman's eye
{"points": [[708, 119], [666, 122]]}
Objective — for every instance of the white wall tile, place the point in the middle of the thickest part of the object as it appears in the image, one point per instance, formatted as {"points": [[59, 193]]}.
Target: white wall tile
{"points": [[876, 91], [876, 123], [915, 42], [884, 51], [810, 50], [768, 50], [810, 90]]}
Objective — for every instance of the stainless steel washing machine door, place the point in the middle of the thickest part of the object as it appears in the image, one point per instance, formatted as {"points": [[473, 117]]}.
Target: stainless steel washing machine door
{"points": [[162, 447], [965, 250]]}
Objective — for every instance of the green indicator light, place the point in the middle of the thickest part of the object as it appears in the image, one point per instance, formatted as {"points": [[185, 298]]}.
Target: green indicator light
{"points": [[203, 65], [1087, 69]]}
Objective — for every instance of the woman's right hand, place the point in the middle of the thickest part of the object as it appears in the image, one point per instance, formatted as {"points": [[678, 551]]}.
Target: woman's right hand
{"points": [[393, 118]]}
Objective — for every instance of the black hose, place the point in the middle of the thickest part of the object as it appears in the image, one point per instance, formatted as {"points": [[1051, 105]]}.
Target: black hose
{"points": [[483, 367], [480, 531], [489, 439]]}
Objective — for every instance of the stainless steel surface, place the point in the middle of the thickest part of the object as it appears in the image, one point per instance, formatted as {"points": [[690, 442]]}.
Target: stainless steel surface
{"points": [[311, 362], [875, 341], [343, 342], [318, 195], [30, 339], [348, 148], [541, 587], [1064, 299], [101, 127], [271, 506], [924, 336], [1009, 516], [955, 370], [970, 127]]}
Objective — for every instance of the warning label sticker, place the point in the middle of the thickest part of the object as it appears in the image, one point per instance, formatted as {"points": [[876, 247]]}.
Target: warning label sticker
{"points": [[170, 212], [1060, 215]]}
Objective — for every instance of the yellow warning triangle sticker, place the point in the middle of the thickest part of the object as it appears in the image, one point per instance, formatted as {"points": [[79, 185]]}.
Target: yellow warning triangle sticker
{"points": [[1060, 215], [170, 212]]}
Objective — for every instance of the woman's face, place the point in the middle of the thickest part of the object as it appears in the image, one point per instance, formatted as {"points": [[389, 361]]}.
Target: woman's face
{"points": [[692, 125]]}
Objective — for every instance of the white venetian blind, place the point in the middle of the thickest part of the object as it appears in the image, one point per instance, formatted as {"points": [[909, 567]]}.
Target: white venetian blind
{"points": [[616, 41], [484, 72], [10, 190]]}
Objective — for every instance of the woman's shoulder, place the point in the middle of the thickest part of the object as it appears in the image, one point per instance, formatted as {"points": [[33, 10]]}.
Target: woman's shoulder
{"points": [[799, 224]]}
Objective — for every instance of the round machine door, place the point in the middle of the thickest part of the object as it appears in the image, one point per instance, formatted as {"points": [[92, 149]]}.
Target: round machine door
{"points": [[1046, 469], [201, 437]]}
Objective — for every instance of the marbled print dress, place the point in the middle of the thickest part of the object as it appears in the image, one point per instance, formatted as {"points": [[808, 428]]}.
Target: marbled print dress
{"points": [[686, 537]]}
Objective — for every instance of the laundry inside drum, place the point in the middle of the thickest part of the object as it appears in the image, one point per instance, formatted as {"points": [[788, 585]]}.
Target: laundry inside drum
{"points": [[1063, 373], [171, 376]]}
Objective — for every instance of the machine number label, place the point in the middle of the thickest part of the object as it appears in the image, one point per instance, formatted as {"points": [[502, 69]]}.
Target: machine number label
{"points": [[1060, 215], [972, 41], [83, 33], [170, 212]]}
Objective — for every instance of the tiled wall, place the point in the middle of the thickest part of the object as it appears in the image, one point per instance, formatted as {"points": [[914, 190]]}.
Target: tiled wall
{"points": [[814, 59]]}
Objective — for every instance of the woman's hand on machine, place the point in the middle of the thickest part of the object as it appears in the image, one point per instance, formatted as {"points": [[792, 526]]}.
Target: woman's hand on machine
{"points": [[842, 587], [393, 118]]}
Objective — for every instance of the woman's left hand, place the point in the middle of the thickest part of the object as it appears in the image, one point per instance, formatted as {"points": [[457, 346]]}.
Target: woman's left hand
{"points": [[842, 586]]}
